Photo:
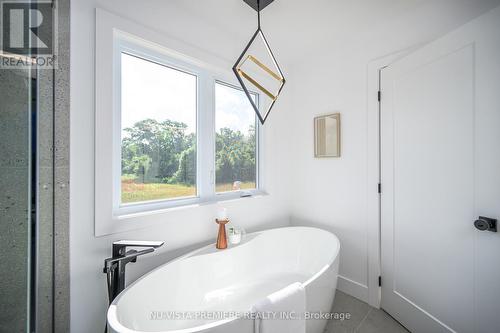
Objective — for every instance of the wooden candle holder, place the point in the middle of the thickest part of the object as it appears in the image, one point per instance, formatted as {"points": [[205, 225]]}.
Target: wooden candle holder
{"points": [[222, 238]]}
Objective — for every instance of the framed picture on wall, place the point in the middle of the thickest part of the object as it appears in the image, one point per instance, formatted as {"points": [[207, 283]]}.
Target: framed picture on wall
{"points": [[327, 135]]}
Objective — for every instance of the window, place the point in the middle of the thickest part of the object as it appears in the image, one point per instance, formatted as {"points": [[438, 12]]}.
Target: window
{"points": [[236, 140], [158, 131], [185, 135], [170, 130]]}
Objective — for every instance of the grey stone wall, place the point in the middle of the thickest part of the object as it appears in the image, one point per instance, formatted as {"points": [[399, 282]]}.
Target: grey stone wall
{"points": [[61, 174], [14, 199]]}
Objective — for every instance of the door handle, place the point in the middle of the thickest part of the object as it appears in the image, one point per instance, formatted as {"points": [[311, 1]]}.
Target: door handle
{"points": [[486, 223]]}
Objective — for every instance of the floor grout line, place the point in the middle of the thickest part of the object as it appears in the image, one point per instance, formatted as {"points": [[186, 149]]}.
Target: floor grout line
{"points": [[363, 320]]}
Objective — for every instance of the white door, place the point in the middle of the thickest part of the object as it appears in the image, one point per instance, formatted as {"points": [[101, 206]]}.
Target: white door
{"points": [[440, 157]]}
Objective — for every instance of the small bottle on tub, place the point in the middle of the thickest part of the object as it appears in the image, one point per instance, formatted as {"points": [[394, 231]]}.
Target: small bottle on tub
{"points": [[235, 235]]}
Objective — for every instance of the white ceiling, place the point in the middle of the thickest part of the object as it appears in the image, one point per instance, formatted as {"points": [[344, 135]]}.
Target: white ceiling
{"points": [[297, 28]]}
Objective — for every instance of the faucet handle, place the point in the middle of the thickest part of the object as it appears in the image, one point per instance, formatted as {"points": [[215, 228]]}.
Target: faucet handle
{"points": [[119, 246], [139, 243]]}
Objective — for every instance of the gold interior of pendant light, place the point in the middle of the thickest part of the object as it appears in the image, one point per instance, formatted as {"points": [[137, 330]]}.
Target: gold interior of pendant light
{"points": [[254, 82]]}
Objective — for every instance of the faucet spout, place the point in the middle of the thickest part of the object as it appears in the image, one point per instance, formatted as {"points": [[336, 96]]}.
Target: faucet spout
{"points": [[120, 246]]}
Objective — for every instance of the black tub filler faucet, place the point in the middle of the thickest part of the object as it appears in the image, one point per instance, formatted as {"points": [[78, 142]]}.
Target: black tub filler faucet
{"points": [[114, 267]]}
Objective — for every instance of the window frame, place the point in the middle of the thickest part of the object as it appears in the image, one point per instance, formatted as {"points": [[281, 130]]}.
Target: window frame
{"points": [[207, 78]]}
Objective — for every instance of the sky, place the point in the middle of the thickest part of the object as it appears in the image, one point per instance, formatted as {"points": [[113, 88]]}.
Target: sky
{"points": [[151, 90]]}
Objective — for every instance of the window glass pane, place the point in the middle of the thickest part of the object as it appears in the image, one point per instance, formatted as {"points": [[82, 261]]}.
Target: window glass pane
{"points": [[236, 140], [158, 121]]}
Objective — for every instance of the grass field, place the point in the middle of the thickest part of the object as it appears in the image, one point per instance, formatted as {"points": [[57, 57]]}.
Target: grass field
{"points": [[137, 192]]}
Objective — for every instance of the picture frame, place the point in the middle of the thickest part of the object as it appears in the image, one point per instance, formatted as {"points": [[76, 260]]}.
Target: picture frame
{"points": [[327, 136]]}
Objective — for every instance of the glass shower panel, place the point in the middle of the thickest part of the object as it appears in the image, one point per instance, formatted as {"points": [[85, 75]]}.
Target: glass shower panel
{"points": [[15, 199], [26, 166], [26, 200]]}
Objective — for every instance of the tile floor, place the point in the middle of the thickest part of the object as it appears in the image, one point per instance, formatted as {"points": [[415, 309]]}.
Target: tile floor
{"points": [[364, 318]]}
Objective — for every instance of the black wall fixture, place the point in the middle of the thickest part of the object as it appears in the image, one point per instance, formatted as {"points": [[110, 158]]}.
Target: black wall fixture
{"points": [[270, 69], [255, 4]]}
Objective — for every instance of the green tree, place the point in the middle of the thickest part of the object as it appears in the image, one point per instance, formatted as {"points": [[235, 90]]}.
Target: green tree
{"points": [[235, 159], [162, 142], [155, 152], [186, 174]]}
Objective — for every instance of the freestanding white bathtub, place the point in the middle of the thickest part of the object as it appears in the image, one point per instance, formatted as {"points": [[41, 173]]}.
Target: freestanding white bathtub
{"points": [[204, 290]]}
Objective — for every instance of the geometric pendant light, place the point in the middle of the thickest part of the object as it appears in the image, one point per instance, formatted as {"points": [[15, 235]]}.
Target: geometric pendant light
{"points": [[257, 69]]}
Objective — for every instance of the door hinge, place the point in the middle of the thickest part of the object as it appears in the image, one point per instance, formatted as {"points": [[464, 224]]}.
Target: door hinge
{"points": [[379, 188], [380, 281], [379, 95]]}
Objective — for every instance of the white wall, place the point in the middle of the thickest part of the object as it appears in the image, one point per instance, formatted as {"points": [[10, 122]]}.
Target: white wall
{"points": [[184, 228], [332, 193]]}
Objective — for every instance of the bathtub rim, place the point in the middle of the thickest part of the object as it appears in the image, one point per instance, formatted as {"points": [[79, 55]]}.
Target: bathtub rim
{"points": [[112, 312]]}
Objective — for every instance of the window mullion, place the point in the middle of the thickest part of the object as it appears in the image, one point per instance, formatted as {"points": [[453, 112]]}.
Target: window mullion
{"points": [[206, 137]]}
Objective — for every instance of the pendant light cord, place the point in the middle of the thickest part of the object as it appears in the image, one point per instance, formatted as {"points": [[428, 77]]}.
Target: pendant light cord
{"points": [[258, 14]]}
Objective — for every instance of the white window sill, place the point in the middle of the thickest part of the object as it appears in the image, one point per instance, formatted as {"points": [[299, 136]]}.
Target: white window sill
{"points": [[138, 210]]}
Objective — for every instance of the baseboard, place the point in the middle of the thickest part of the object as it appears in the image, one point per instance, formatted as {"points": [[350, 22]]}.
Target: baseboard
{"points": [[353, 288]]}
